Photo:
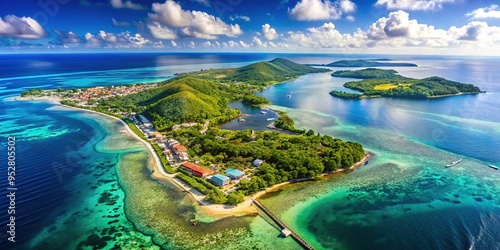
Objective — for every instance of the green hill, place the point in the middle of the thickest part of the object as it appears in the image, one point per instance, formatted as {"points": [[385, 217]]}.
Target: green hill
{"points": [[261, 73]]}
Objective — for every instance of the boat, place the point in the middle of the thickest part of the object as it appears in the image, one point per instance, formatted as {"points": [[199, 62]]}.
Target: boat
{"points": [[289, 96], [241, 120], [263, 112], [493, 166], [453, 163], [270, 119]]}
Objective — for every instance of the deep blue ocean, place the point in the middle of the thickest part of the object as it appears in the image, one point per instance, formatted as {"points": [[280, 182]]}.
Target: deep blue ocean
{"points": [[405, 186]]}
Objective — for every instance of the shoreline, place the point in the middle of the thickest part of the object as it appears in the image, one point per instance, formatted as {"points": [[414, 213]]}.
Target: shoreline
{"points": [[158, 172]]}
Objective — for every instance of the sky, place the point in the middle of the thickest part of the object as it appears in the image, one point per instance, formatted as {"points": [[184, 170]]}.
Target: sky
{"points": [[439, 27]]}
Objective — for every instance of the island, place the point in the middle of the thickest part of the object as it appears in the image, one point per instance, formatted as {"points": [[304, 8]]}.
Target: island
{"points": [[366, 63], [388, 83], [178, 120]]}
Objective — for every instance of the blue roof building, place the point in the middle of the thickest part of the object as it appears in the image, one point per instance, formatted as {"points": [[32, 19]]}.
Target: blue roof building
{"points": [[257, 162], [234, 173], [220, 180]]}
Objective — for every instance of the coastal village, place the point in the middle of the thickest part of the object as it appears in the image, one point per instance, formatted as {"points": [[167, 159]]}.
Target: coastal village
{"points": [[178, 156]]}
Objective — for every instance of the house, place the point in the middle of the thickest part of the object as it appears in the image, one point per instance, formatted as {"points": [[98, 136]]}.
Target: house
{"points": [[234, 174], [286, 232], [181, 152], [257, 162], [220, 180], [196, 170]]}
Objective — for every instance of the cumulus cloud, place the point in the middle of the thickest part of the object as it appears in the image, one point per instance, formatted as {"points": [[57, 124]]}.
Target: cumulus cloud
{"points": [[412, 4], [21, 27], [70, 37], [127, 4], [326, 36], [121, 40], [161, 32], [244, 45], [398, 24], [482, 13], [308, 10], [476, 31], [191, 45], [174, 44], [206, 44], [120, 24], [196, 24], [269, 33], [241, 17]]}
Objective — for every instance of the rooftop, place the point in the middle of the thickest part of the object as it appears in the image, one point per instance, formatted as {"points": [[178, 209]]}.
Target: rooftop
{"points": [[221, 177], [234, 172], [194, 167]]}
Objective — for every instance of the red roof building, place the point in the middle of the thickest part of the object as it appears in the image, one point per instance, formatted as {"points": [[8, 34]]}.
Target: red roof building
{"points": [[179, 148], [196, 170]]}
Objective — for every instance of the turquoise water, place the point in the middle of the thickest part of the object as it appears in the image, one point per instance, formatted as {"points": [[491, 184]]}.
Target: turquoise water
{"points": [[404, 198]]}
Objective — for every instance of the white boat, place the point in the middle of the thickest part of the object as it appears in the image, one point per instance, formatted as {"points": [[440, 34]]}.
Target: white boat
{"points": [[493, 166], [270, 119], [289, 96], [453, 163], [263, 112]]}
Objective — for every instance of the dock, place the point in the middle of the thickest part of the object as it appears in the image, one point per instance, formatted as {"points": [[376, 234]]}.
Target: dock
{"points": [[283, 226]]}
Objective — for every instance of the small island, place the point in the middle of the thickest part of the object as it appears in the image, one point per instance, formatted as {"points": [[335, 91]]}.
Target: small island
{"points": [[366, 63], [388, 83]]}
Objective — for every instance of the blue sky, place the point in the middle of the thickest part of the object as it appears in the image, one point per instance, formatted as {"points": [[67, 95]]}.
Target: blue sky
{"points": [[325, 26]]}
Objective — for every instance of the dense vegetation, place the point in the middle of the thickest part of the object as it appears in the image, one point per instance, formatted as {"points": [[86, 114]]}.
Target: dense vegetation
{"points": [[379, 82], [286, 157], [254, 100], [32, 92], [345, 95], [367, 63], [369, 73], [287, 123]]}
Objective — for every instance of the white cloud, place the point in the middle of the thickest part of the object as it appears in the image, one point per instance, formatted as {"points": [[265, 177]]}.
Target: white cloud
{"points": [[244, 18], [258, 42], [244, 45], [67, 38], [21, 27], [120, 4], [308, 10], [174, 44], [326, 36], [398, 24], [196, 24], [206, 44], [489, 12], [161, 32], [476, 31], [121, 40], [119, 24], [269, 33], [191, 45], [413, 4]]}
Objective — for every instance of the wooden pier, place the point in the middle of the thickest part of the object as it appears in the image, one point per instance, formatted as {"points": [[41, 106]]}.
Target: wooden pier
{"points": [[283, 225]]}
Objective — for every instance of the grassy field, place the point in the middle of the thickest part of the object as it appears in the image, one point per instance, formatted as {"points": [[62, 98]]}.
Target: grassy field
{"points": [[385, 86]]}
